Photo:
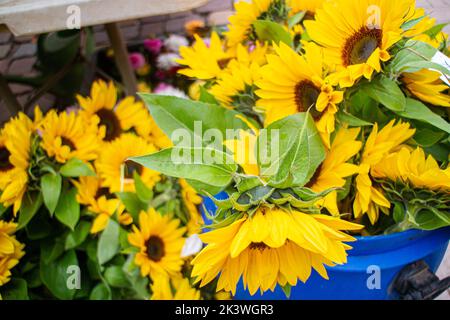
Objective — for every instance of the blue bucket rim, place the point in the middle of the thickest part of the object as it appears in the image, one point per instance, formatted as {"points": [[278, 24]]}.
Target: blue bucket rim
{"points": [[392, 236]]}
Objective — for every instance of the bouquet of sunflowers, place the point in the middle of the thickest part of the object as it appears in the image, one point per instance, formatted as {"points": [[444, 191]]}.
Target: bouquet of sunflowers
{"points": [[320, 120], [80, 221]]}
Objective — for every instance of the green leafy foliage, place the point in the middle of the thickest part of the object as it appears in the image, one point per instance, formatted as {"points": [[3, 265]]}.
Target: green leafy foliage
{"points": [[68, 208], [418, 111], [51, 189], [191, 118], [300, 151], [76, 168], [54, 274], [386, 92], [108, 244], [271, 31], [30, 206], [78, 235], [205, 165]]}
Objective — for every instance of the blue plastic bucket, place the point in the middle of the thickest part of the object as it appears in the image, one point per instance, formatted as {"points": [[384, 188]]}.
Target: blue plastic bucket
{"points": [[372, 265]]}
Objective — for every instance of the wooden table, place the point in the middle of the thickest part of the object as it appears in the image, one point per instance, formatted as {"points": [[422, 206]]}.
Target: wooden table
{"points": [[29, 17]]}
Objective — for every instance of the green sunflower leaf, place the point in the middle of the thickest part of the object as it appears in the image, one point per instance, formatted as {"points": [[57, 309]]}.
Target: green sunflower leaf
{"points": [[51, 189], [79, 234], [55, 276], [100, 292], [185, 120], [30, 205], [205, 165], [415, 56], [418, 111], [385, 91], [207, 97], [144, 193], [109, 242], [116, 277], [271, 31], [68, 209], [290, 151], [16, 289], [76, 168], [132, 203], [351, 120]]}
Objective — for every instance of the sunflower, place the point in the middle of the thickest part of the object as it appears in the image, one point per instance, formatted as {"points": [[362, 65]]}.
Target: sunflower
{"points": [[113, 159], [234, 87], [175, 288], [113, 118], [292, 83], [204, 61], [160, 240], [243, 149], [15, 149], [191, 201], [11, 250], [193, 27], [336, 167], [419, 30], [369, 199], [66, 136], [414, 168], [241, 23], [310, 6], [356, 35], [427, 86], [272, 247], [100, 202]]}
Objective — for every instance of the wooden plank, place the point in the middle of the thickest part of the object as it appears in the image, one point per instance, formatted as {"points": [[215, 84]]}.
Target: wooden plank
{"points": [[26, 17]]}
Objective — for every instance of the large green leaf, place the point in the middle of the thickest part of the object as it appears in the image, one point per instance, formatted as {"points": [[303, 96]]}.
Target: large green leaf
{"points": [[54, 275], [271, 31], [144, 193], [418, 111], [51, 189], [300, 151], [206, 165], [100, 292], [30, 205], [415, 56], [386, 92], [76, 168], [52, 249], [77, 236], [116, 277], [108, 244], [172, 114], [132, 203], [15, 289], [68, 209]]}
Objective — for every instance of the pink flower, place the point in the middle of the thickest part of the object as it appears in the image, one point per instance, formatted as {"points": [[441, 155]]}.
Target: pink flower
{"points": [[153, 45], [162, 87], [137, 60]]}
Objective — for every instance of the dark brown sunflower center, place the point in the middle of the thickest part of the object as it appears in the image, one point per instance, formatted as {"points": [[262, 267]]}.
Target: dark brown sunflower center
{"points": [[155, 248], [103, 192], [360, 46], [306, 94], [223, 63], [68, 143], [109, 119], [5, 165], [258, 246], [132, 167]]}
